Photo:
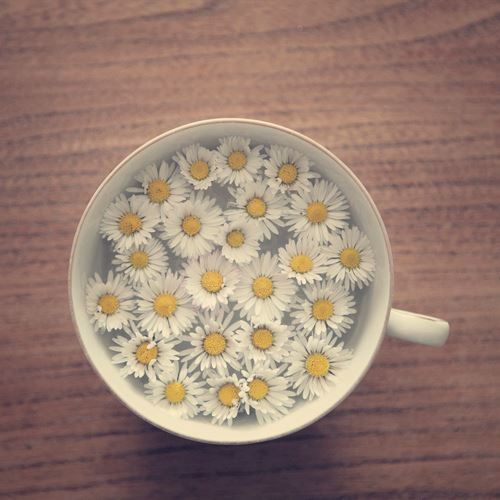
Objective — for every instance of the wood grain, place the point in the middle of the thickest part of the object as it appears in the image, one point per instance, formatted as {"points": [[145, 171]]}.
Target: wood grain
{"points": [[406, 92]]}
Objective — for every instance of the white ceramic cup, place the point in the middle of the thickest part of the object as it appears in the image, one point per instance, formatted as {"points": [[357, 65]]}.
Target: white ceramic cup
{"points": [[375, 316]]}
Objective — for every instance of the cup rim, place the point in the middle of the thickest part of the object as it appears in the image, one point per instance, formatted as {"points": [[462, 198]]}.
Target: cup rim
{"points": [[346, 170]]}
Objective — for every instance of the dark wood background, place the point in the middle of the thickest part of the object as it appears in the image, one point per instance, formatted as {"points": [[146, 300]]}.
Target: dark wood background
{"points": [[406, 92]]}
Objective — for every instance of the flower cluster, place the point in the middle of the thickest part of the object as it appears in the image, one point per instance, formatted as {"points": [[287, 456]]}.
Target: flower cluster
{"points": [[203, 308]]}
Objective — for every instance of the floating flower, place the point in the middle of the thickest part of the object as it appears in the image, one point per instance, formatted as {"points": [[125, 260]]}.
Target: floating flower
{"points": [[142, 355], [197, 166], [239, 241], [352, 261], [236, 162], [176, 391], [315, 362], [316, 214], [264, 341], [258, 204], [327, 305], [210, 280], [128, 222], [160, 186], [279, 252], [288, 169], [164, 306], [304, 260], [191, 229], [109, 303], [213, 344], [264, 291], [266, 391], [143, 262], [222, 401]]}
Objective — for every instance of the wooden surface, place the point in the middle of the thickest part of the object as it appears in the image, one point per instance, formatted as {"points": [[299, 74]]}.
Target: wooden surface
{"points": [[405, 92]]}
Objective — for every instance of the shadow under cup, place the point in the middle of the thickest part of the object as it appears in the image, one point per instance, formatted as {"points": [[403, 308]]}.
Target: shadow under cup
{"points": [[90, 254]]}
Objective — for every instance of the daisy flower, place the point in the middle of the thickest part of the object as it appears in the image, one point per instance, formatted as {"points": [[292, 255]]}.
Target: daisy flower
{"points": [[264, 341], [304, 260], [236, 163], [143, 262], [239, 241], [159, 186], [263, 290], [128, 222], [213, 344], [197, 166], [142, 355], [191, 229], [314, 364], [327, 305], [222, 401], [288, 170], [176, 391], [256, 203], [352, 261], [164, 306], [315, 214], [109, 303], [266, 391], [210, 280]]}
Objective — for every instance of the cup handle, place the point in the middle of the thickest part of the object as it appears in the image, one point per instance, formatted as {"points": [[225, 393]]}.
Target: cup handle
{"points": [[417, 328]]}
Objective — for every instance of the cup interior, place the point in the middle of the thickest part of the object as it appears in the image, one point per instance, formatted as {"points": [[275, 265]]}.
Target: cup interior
{"points": [[90, 254]]}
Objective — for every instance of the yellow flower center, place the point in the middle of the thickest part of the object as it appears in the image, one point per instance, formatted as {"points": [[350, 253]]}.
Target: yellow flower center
{"points": [[200, 170], [350, 257], [191, 225], [214, 344], [109, 304], [316, 212], [322, 309], [228, 394], [262, 287], [256, 207], [158, 191], [139, 259], [262, 338], [165, 305], [175, 392], [237, 160], [235, 238], [258, 389], [212, 281], [130, 223], [145, 355], [288, 173], [317, 365], [301, 263]]}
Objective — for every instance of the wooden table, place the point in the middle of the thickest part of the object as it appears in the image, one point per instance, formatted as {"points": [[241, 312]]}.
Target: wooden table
{"points": [[406, 93]]}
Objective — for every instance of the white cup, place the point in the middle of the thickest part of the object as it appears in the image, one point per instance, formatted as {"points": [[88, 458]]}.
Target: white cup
{"points": [[375, 316]]}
